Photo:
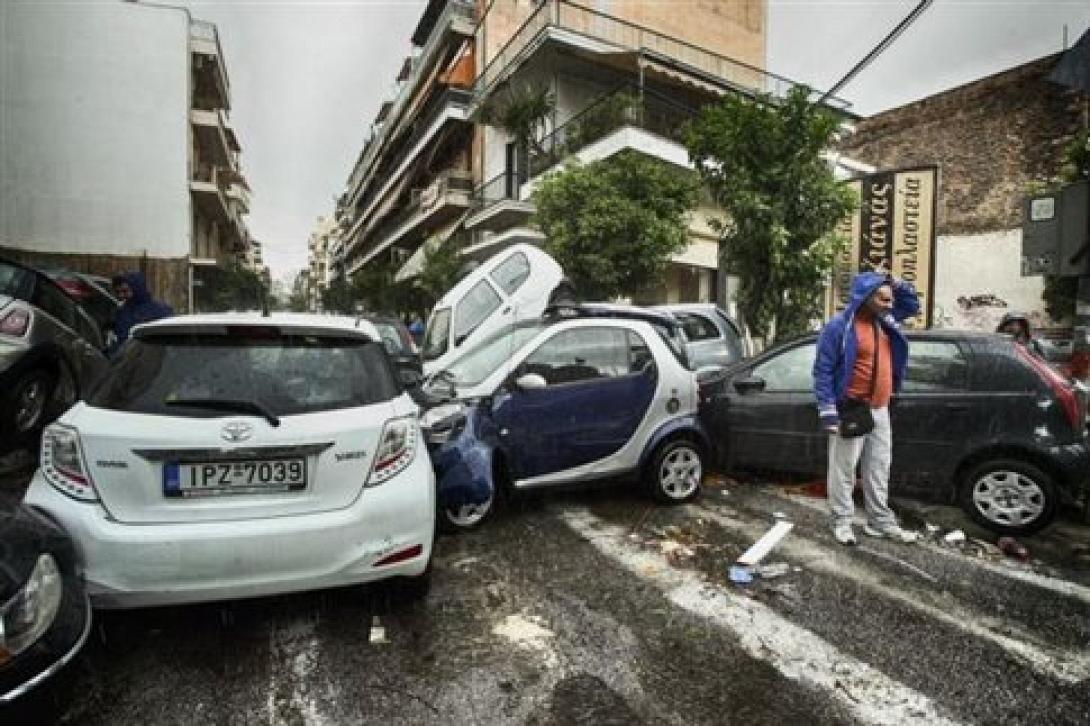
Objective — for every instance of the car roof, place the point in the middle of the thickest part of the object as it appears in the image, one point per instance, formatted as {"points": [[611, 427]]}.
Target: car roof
{"points": [[689, 307], [299, 322], [610, 310], [912, 334]]}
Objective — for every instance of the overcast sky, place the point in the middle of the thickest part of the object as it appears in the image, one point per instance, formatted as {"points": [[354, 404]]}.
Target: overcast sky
{"points": [[307, 77]]}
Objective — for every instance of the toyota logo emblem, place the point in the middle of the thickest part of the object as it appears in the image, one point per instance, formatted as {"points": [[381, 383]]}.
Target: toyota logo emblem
{"points": [[237, 431]]}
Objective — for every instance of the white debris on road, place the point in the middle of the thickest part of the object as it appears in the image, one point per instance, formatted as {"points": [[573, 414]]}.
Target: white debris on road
{"points": [[794, 651], [528, 632]]}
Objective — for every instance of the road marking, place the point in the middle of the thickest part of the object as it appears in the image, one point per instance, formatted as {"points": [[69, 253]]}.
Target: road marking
{"points": [[1067, 666], [293, 652], [1010, 571], [797, 653], [529, 633]]}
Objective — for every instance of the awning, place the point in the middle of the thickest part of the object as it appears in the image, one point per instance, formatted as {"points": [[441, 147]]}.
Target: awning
{"points": [[415, 264], [678, 76]]}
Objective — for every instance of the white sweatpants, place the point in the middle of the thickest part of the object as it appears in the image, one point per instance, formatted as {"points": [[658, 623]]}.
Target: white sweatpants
{"points": [[873, 454]]}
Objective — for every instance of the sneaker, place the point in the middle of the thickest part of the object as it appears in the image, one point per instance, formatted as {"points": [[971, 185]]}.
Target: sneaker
{"points": [[892, 532], [844, 535]]}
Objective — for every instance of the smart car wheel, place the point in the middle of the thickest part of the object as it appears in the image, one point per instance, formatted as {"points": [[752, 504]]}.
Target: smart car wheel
{"points": [[32, 394], [467, 516], [676, 470], [1009, 496]]}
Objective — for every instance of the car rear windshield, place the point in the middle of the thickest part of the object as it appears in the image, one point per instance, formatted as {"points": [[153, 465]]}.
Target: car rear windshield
{"points": [[282, 374]]}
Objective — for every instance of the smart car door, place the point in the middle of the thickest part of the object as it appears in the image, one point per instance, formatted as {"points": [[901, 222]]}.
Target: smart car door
{"points": [[600, 382]]}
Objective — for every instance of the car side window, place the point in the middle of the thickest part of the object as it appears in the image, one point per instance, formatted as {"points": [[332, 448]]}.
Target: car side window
{"points": [[936, 365], [472, 309], [697, 327], [512, 272], [583, 354], [790, 371], [54, 302], [640, 356]]}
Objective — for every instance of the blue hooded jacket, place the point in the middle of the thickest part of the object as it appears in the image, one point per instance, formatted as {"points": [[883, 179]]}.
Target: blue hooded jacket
{"points": [[837, 344], [140, 308]]}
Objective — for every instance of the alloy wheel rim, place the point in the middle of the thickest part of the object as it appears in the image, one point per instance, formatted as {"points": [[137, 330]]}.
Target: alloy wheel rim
{"points": [[469, 515], [1009, 498], [680, 473], [30, 407]]}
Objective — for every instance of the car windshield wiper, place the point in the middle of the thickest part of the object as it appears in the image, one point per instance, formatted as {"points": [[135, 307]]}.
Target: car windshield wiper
{"points": [[237, 405]]}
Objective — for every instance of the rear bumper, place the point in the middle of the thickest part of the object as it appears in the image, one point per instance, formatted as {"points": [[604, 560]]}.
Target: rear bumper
{"points": [[141, 565]]}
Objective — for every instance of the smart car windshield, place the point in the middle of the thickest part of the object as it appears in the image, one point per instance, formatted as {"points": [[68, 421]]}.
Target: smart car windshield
{"points": [[480, 361]]}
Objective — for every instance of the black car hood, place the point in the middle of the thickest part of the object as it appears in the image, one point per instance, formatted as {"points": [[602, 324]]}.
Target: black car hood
{"points": [[24, 536]]}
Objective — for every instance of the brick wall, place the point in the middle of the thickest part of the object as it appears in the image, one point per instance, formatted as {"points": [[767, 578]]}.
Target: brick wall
{"points": [[990, 138]]}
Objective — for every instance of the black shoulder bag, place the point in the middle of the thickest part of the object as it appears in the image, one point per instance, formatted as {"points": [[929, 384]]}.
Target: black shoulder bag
{"points": [[855, 416]]}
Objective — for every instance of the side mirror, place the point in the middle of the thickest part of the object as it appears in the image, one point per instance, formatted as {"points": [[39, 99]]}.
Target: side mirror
{"points": [[749, 384], [530, 382], [410, 377]]}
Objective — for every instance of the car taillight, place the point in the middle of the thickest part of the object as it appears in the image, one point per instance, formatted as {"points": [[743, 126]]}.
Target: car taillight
{"points": [[76, 289], [15, 323], [396, 450], [1064, 392], [63, 463]]}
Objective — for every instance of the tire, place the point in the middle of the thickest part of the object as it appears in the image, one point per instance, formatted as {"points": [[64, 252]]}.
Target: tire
{"points": [[467, 517], [1009, 496], [31, 399], [675, 471]]}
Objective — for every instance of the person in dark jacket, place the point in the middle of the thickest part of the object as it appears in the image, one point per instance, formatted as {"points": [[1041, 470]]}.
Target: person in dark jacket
{"points": [[862, 355], [1017, 324], [137, 306]]}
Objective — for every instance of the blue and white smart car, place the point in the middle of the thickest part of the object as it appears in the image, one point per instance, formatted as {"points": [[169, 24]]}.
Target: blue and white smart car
{"points": [[584, 393]]}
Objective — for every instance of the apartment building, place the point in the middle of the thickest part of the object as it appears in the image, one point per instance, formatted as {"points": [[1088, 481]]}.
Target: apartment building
{"points": [[321, 246], [117, 151], [412, 181]]}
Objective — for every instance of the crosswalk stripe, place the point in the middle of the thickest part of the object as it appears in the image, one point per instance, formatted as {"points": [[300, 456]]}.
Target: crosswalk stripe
{"points": [[795, 652], [1050, 661]]}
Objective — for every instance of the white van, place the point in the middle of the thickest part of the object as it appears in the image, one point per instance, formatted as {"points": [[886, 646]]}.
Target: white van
{"points": [[515, 284]]}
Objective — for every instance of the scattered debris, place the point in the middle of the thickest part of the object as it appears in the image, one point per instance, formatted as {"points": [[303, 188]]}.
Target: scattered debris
{"points": [[377, 635], [463, 564], [954, 536], [717, 481], [779, 515], [1013, 548], [773, 570], [740, 575], [764, 545], [931, 528]]}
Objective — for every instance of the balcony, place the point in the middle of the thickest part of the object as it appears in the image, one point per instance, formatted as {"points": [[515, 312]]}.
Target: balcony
{"points": [[214, 136], [212, 89], [207, 188], [239, 198], [572, 24], [442, 200], [497, 205], [451, 105]]}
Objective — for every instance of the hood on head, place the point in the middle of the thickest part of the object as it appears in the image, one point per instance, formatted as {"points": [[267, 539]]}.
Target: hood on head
{"points": [[138, 286], [1015, 317], [863, 286]]}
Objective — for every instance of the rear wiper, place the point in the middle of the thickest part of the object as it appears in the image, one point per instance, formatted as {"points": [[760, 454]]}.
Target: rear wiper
{"points": [[227, 404]]}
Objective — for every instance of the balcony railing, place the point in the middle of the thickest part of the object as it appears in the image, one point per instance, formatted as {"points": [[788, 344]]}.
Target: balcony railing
{"points": [[448, 182], [599, 26], [626, 106]]}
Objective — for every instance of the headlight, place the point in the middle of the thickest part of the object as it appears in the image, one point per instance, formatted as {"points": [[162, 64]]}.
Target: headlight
{"points": [[441, 423], [25, 617]]}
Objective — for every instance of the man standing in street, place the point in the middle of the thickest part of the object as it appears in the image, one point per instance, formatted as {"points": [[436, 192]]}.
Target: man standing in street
{"points": [[137, 306], [860, 364]]}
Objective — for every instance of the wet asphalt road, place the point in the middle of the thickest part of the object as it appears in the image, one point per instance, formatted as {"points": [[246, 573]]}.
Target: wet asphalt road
{"points": [[602, 608]]}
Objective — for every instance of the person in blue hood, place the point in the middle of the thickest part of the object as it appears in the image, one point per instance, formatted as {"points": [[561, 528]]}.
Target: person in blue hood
{"points": [[860, 364], [137, 306]]}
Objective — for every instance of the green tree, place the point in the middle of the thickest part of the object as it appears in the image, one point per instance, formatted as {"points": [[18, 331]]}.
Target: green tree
{"points": [[1060, 292], [232, 287], [761, 160], [441, 271], [613, 224], [339, 297], [523, 111], [298, 298]]}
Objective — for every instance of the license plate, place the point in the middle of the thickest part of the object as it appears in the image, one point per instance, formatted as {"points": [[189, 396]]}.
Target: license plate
{"points": [[209, 479]]}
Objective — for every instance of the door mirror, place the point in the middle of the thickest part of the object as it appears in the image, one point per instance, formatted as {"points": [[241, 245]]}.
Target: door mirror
{"points": [[749, 384], [530, 382], [410, 377]]}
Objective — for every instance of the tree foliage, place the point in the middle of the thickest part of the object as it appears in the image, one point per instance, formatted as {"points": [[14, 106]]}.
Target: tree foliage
{"points": [[613, 224], [761, 160], [232, 287], [298, 299], [522, 111]]}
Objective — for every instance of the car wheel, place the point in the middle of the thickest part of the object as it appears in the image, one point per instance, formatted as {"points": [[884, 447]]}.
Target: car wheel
{"points": [[31, 396], [467, 516], [675, 471], [1009, 496]]}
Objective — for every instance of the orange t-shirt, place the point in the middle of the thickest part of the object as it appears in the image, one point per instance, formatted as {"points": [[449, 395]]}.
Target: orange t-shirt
{"points": [[863, 371]]}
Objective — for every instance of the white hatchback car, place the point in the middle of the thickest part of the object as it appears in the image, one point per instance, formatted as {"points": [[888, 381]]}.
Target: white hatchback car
{"points": [[238, 455]]}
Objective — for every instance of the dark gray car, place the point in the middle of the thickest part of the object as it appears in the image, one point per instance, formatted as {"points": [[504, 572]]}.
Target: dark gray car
{"points": [[714, 339], [51, 353]]}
